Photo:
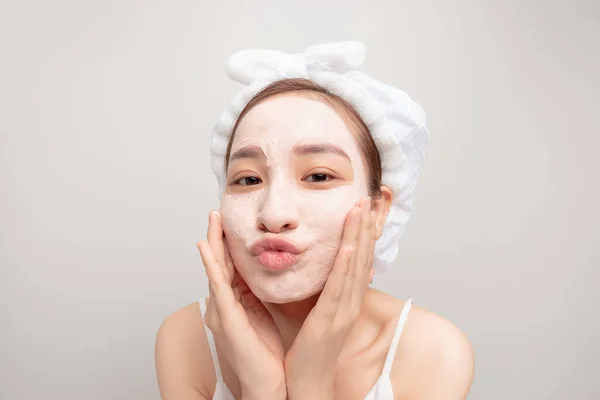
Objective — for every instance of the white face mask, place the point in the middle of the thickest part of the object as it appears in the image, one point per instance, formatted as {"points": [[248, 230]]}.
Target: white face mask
{"points": [[290, 185]]}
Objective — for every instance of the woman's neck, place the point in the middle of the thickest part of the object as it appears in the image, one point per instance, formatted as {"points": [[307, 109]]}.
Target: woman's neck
{"points": [[289, 317]]}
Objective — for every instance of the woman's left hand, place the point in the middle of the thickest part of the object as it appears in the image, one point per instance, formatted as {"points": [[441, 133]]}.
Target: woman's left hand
{"points": [[310, 363]]}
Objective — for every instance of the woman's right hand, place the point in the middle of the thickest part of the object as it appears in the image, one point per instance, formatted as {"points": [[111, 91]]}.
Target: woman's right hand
{"points": [[246, 332]]}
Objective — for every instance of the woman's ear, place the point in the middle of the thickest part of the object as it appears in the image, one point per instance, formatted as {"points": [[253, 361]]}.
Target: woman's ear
{"points": [[380, 208]]}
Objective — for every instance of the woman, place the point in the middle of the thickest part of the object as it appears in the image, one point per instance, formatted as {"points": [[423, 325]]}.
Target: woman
{"points": [[317, 163]]}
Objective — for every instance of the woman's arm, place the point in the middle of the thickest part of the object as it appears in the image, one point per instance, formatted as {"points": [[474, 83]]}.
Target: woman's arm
{"points": [[183, 359]]}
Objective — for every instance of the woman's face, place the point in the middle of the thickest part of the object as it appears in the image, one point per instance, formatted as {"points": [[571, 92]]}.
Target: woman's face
{"points": [[295, 171]]}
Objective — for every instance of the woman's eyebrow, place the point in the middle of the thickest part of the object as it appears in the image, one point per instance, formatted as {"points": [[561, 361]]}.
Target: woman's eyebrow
{"points": [[250, 151], [307, 149]]}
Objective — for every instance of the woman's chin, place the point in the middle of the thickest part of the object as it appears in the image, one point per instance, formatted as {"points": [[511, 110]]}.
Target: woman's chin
{"points": [[284, 300], [291, 295]]}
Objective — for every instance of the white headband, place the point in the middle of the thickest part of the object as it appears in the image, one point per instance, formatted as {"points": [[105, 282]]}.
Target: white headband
{"points": [[396, 123]]}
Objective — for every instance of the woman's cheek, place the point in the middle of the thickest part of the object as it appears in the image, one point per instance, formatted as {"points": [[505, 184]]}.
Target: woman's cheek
{"points": [[238, 213], [338, 205], [238, 219], [329, 214]]}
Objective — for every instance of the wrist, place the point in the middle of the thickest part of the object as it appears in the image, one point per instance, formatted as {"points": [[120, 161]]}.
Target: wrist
{"points": [[263, 397], [312, 391], [256, 396], [261, 392]]}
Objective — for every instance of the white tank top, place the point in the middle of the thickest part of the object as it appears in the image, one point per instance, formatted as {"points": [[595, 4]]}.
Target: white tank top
{"points": [[382, 390]]}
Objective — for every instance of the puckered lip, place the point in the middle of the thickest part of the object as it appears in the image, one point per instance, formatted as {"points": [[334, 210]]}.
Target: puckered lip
{"points": [[271, 243]]}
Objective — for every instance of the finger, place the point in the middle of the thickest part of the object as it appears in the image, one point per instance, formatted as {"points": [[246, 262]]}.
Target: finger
{"points": [[211, 236], [336, 282], [232, 318], [364, 244], [210, 290], [360, 244], [229, 267], [215, 239], [222, 292], [366, 261], [375, 236], [371, 256], [369, 272]]}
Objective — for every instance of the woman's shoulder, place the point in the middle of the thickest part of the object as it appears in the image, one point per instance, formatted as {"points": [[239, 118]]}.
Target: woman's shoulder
{"points": [[433, 355], [183, 359]]}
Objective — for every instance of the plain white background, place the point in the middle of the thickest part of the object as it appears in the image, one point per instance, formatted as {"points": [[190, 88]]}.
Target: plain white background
{"points": [[105, 116]]}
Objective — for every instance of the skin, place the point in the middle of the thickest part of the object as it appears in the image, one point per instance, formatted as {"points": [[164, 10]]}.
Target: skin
{"points": [[322, 305]]}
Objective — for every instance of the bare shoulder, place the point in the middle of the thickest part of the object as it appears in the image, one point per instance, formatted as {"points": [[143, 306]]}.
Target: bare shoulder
{"points": [[434, 359], [183, 360]]}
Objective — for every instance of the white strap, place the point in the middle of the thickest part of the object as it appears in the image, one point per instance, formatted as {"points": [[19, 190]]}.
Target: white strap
{"points": [[211, 341], [389, 360]]}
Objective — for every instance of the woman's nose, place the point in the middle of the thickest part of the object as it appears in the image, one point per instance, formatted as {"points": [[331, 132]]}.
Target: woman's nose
{"points": [[278, 214]]}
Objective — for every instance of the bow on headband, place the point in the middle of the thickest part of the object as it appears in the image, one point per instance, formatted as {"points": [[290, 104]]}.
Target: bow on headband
{"points": [[247, 66]]}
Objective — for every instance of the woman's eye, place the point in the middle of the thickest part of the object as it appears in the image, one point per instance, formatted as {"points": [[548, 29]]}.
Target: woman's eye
{"points": [[318, 178], [248, 181]]}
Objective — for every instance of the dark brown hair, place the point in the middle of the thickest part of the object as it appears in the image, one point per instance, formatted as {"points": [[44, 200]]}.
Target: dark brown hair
{"points": [[350, 116]]}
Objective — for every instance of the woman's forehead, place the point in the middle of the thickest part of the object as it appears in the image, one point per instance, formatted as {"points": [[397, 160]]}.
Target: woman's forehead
{"points": [[286, 120]]}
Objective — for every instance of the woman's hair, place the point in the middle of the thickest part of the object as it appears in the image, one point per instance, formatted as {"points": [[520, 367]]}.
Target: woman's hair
{"points": [[353, 121]]}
